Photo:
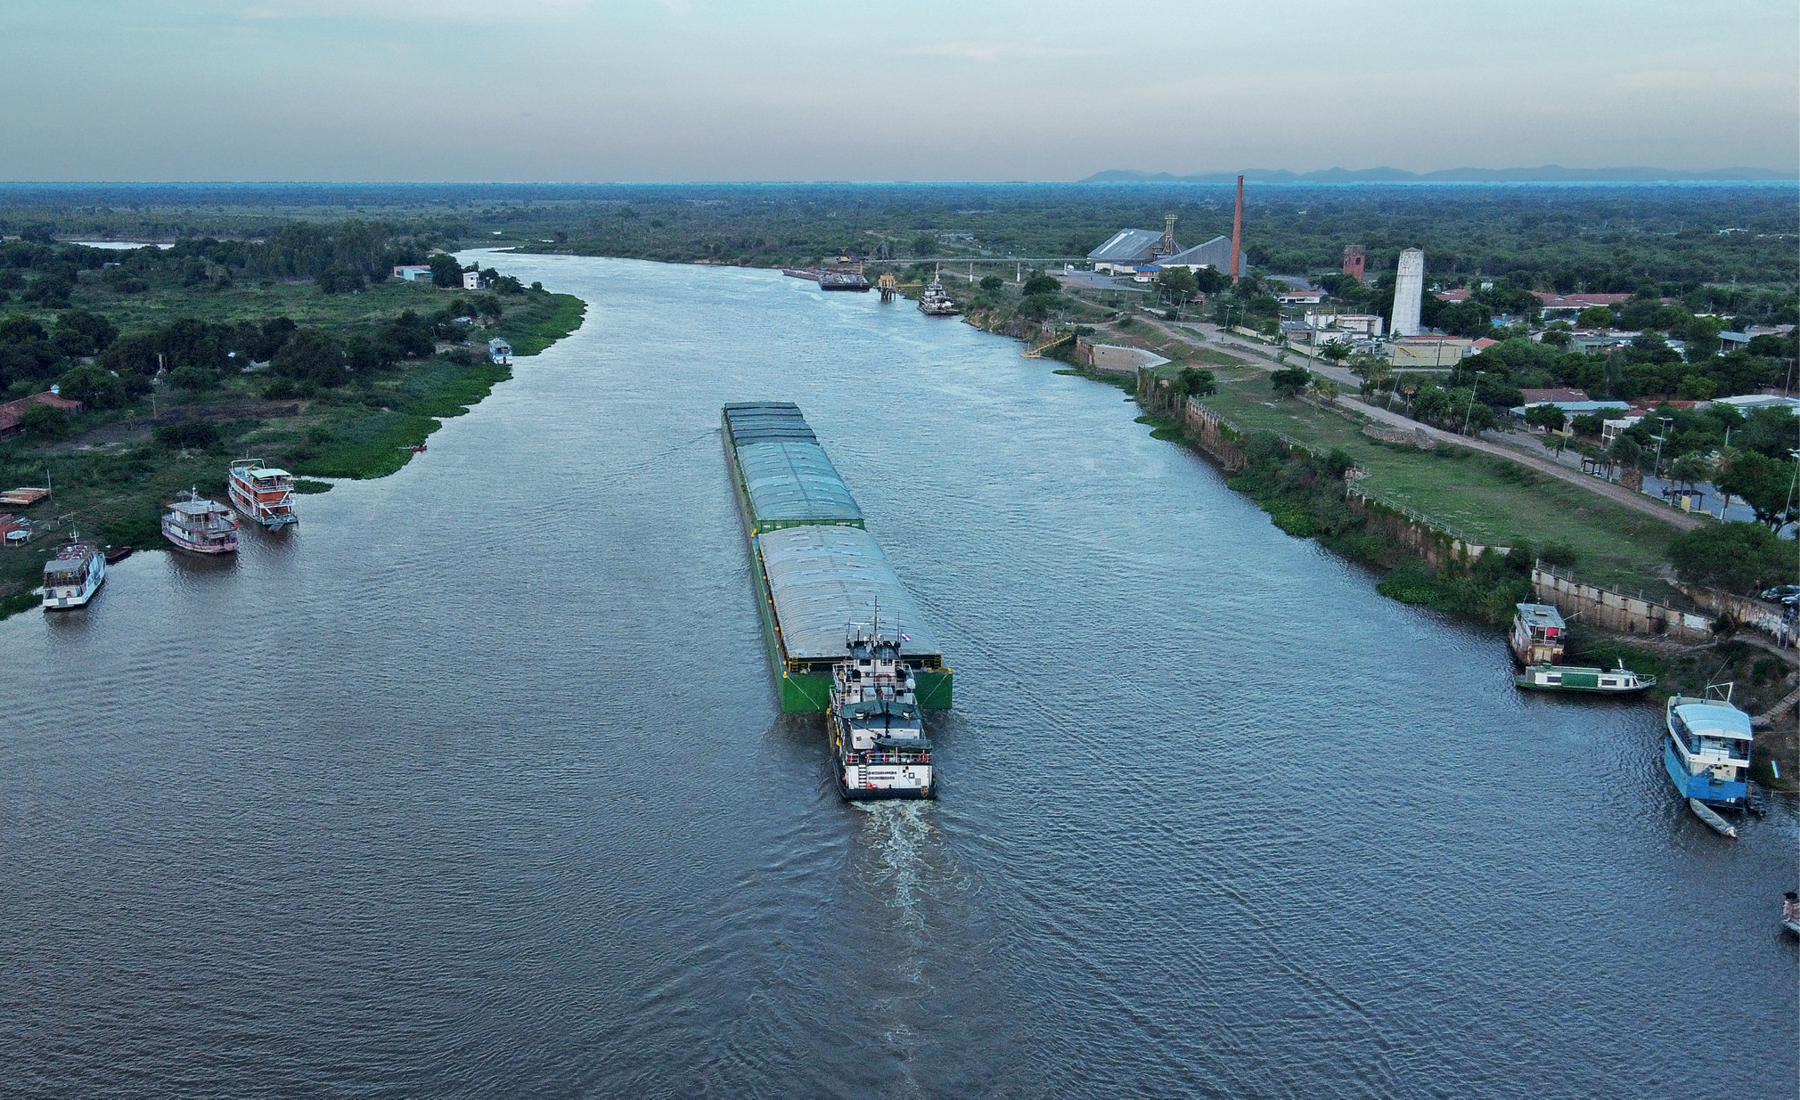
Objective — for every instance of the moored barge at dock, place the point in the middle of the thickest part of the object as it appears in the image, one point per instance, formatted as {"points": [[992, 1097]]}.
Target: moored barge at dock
{"points": [[816, 570], [201, 525]]}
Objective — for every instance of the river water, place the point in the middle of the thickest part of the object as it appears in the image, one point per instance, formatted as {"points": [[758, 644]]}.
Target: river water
{"points": [[476, 784]]}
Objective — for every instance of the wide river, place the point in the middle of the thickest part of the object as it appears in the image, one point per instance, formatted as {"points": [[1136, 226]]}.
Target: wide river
{"points": [[475, 784]]}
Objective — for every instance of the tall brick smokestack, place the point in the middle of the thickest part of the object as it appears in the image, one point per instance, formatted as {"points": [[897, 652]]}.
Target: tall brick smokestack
{"points": [[1237, 229]]}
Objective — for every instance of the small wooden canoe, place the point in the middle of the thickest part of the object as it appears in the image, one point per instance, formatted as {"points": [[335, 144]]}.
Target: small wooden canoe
{"points": [[1713, 821]]}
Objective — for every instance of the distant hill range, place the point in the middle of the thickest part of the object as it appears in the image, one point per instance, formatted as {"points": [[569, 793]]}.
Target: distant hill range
{"points": [[1549, 173]]}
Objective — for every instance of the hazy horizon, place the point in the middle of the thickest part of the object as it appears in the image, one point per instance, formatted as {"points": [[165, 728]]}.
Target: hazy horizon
{"points": [[697, 91]]}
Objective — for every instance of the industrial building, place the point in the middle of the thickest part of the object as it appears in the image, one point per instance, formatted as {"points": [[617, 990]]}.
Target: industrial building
{"points": [[1129, 249], [1215, 254], [1409, 292]]}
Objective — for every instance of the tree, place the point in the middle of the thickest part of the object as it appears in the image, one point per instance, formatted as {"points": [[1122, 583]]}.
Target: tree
{"points": [[445, 271], [1290, 381], [310, 356], [991, 283], [1595, 317], [1764, 483], [1588, 425], [1738, 557], [1195, 382], [925, 244], [1690, 470], [1548, 417], [1177, 284], [1335, 350], [339, 279], [45, 422], [1040, 284], [1431, 403], [95, 387]]}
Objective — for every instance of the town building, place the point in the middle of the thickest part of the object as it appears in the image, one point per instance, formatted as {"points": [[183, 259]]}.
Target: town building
{"points": [[1733, 341], [412, 273], [1409, 292], [1356, 257], [472, 280], [1429, 352], [12, 414], [1361, 324], [1575, 303]]}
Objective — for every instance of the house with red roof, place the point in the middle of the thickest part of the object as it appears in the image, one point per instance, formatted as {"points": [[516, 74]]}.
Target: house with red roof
{"points": [[12, 414]]}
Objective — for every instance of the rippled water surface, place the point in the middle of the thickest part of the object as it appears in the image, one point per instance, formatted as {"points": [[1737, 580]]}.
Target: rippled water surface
{"points": [[476, 783]]}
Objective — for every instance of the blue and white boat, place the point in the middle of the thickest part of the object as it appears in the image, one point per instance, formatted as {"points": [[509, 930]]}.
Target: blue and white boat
{"points": [[1708, 751]]}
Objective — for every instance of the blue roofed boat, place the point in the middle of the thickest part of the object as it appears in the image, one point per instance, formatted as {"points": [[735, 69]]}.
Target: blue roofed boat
{"points": [[1707, 753]]}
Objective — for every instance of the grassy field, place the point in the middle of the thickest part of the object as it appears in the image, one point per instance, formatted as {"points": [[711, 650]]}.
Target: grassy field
{"points": [[1486, 499]]}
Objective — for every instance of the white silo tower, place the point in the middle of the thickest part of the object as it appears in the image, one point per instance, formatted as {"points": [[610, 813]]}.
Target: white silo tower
{"points": [[1409, 290]]}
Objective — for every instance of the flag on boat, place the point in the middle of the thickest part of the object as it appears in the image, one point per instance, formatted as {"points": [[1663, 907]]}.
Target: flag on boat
{"points": [[905, 635]]}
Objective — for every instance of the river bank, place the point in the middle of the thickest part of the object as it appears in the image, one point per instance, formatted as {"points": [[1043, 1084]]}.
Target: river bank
{"points": [[112, 475]]}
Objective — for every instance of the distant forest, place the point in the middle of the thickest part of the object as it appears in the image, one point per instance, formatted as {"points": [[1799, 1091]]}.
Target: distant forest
{"points": [[1580, 237]]}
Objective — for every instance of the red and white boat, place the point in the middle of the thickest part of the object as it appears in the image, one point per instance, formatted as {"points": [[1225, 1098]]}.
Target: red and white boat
{"points": [[262, 493], [201, 525]]}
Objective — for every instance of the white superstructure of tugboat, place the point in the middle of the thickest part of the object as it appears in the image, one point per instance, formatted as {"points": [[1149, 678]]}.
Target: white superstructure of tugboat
{"points": [[262, 493], [73, 576], [877, 734], [935, 302], [1707, 754], [201, 525]]}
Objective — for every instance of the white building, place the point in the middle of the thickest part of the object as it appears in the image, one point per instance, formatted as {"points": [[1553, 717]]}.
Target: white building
{"points": [[471, 280], [1409, 290]]}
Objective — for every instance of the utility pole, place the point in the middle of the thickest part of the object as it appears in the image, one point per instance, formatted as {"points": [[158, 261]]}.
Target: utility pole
{"points": [[1474, 388], [1787, 510], [1666, 421]]}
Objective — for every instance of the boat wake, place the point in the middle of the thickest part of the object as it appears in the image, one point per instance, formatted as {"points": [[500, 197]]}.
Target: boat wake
{"points": [[898, 834]]}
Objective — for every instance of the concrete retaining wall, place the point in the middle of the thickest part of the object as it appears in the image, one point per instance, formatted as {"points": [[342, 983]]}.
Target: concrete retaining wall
{"points": [[1612, 610]]}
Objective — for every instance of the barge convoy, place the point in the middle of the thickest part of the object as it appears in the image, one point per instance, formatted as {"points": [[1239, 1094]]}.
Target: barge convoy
{"points": [[831, 602]]}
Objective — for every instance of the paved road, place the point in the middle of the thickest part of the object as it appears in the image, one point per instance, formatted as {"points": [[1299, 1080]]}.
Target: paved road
{"points": [[1259, 355]]}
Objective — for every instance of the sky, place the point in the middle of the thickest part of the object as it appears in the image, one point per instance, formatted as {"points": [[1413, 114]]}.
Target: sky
{"points": [[684, 90]]}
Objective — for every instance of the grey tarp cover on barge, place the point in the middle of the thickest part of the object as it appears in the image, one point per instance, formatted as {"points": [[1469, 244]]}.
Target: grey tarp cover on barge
{"points": [[792, 481], [822, 579], [759, 421]]}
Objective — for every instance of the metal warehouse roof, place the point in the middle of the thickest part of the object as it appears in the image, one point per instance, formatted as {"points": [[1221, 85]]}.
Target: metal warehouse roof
{"points": [[792, 480], [756, 421], [1215, 254], [1128, 246], [823, 579]]}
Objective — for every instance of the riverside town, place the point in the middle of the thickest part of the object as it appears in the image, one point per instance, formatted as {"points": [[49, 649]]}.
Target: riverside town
{"points": [[813, 618]]}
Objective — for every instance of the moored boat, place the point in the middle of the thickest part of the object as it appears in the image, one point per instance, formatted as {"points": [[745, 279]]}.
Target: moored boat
{"points": [[1602, 681], [936, 302], [262, 493], [1790, 912], [1538, 634], [877, 732], [73, 576], [201, 525], [1712, 820], [1707, 753]]}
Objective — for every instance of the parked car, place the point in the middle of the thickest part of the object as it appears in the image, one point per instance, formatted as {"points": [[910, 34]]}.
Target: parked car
{"points": [[1781, 593]]}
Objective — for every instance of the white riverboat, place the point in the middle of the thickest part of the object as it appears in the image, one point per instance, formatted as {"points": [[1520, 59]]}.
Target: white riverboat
{"points": [[1707, 753], [1600, 681], [262, 493], [877, 732], [201, 525], [73, 576]]}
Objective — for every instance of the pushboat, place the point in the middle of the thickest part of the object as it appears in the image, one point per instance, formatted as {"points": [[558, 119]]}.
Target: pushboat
{"points": [[877, 731]]}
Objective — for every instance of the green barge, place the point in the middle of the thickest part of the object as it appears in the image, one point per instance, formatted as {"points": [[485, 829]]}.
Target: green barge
{"points": [[816, 570]]}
